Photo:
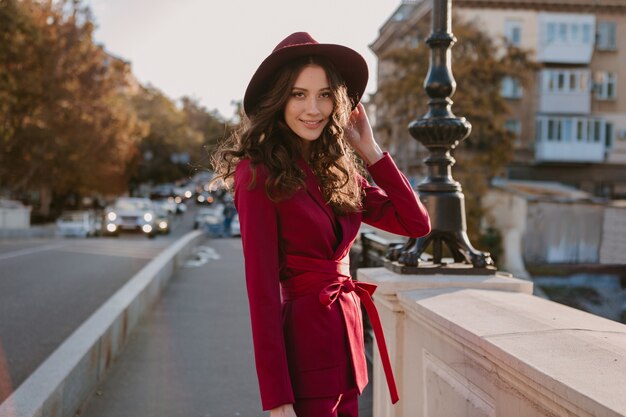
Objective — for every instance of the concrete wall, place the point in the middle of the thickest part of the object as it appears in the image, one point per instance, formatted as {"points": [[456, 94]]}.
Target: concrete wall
{"points": [[463, 348], [14, 218], [563, 232], [613, 247], [540, 230]]}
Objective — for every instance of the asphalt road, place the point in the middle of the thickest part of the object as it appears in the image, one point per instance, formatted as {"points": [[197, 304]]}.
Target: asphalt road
{"points": [[48, 287]]}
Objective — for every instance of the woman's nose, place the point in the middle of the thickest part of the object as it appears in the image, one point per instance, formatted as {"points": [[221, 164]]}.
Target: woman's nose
{"points": [[312, 106]]}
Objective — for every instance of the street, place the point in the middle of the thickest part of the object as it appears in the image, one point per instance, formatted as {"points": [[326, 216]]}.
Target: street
{"points": [[48, 287]]}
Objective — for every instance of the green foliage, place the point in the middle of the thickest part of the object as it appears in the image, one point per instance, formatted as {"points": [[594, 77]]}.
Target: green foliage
{"points": [[479, 66]]}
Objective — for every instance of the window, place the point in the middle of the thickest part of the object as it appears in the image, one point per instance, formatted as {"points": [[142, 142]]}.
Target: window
{"points": [[511, 88], [605, 38], [563, 32], [605, 85], [514, 126], [513, 32], [580, 130], [568, 81], [608, 138], [551, 34], [586, 33], [572, 130]]}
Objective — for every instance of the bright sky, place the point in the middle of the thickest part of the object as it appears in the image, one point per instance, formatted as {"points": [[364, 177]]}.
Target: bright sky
{"points": [[209, 49]]}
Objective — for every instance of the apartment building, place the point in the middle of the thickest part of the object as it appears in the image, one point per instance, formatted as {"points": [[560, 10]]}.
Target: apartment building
{"points": [[570, 121]]}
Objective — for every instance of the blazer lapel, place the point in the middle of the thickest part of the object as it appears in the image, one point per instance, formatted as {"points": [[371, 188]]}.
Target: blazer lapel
{"points": [[346, 226], [313, 189]]}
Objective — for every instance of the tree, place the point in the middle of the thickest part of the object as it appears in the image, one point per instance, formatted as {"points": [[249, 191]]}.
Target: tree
{"points": [[171, 141], [65, 123], [209, 123], [479, 65]]}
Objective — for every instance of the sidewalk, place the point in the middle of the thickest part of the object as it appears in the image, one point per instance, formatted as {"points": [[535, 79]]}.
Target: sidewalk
{"points": [[192, 356]]}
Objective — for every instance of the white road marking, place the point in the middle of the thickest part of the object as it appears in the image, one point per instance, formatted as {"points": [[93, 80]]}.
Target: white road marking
{"points": [[30, 251], [201, 255]]}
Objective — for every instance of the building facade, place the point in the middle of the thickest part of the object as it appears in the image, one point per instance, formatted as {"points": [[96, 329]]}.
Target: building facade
{"points": [[570, 120]]}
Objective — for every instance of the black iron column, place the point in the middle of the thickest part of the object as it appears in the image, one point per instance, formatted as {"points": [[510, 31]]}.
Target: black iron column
{"points": [[440, 131]]}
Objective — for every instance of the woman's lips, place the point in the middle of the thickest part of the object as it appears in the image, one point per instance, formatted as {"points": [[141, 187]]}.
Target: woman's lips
{"points": [[311, 124]]}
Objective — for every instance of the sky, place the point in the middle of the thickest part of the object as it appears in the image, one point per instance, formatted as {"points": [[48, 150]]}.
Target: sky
{"points": [[209, 49]]}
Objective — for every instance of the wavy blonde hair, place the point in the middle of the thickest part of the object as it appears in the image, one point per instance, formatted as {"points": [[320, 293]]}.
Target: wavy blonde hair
{"points": [[265, 138]]}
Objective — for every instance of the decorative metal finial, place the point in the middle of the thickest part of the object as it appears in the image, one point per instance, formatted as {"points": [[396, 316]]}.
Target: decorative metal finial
{"points": [[440, 131]]}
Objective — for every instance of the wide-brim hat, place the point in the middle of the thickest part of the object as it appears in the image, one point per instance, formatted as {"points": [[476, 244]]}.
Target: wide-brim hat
{"points": [[348, 63]]}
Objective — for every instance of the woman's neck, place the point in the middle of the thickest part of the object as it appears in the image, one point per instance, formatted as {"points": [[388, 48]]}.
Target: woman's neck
{"points": [[306, 150]]}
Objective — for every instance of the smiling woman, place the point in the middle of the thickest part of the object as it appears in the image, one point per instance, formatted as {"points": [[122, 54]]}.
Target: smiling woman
{"points": [[310, 105], [301, 199]]}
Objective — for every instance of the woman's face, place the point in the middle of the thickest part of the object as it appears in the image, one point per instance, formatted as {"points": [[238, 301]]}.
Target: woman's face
{"points": [[310, 104]]}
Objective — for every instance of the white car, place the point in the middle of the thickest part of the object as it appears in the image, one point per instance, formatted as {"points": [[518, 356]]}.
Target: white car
{"points": [[131, 213], [82, 223]]}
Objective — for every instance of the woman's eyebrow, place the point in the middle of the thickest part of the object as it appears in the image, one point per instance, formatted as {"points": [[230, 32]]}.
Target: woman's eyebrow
{"points": [[304, 89]]}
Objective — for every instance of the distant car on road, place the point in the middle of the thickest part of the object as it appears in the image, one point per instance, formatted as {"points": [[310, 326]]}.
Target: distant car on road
{"points": [[79, 223], [163, 216], [210, 219], [235, 227], [130, 214]]}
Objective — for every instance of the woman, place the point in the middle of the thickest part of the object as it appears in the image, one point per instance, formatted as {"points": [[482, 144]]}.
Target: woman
{"points": [[301, 199]]}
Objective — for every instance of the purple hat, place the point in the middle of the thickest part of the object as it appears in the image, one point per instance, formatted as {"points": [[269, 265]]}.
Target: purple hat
{"points": [[349, 63]]}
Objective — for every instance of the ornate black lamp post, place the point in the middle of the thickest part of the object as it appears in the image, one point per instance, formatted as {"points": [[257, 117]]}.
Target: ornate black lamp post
{"points": [[440, 131]]}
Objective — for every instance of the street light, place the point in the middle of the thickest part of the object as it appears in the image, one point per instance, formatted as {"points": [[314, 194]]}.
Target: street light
{"points": [[440, 131]]}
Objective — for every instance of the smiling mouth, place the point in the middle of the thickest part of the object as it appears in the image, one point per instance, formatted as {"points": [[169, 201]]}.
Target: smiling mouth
{"points": [[311, 123]]}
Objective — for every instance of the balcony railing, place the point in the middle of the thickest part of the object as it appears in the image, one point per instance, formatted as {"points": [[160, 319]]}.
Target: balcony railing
{"points": [[571, 139]]}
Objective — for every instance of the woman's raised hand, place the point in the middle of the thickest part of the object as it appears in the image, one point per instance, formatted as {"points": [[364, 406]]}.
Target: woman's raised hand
{"points": [[359, 134], [285, 410]]}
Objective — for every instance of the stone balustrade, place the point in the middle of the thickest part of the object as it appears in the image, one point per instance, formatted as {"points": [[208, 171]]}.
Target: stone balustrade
{"points": [[485, 346]]}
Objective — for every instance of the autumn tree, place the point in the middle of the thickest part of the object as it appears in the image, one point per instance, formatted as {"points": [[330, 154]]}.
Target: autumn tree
{"points": [[66, 125], [211, 125], [479, 63], [171, 142]]}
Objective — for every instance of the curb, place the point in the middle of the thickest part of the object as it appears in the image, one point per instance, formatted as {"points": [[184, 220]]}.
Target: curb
{"points": [[72, 372]]}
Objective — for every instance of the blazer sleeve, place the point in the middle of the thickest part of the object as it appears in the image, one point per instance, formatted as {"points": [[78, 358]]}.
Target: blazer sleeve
{"points": [[394, 207], [259, 234]]}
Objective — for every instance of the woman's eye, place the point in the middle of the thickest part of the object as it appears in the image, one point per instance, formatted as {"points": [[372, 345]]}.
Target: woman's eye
{"points": [[325, 95], [298, 94]]}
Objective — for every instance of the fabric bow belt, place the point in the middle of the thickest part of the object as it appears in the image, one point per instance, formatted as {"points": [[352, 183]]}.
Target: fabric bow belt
{"points": [[306, 280]]}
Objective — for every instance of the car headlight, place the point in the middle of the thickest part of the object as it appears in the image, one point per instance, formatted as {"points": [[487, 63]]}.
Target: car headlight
{"points": [[147, 217], [163, 225], [111, 216]]}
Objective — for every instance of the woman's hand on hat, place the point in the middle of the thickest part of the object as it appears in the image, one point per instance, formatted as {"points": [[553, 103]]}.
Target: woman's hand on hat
{"points": [[360, 136], [285, 410]]}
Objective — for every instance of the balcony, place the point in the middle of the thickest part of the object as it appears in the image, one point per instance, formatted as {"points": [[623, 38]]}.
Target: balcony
{"points": [[567, 90], [565, 38], [571, 139]]}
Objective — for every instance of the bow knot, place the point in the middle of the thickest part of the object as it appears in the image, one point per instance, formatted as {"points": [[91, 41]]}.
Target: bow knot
{"points": [[331, 292]]}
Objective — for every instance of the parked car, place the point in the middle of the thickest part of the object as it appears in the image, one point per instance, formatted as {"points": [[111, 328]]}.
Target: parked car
{"points": [[79, 223], [130, 214]]}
